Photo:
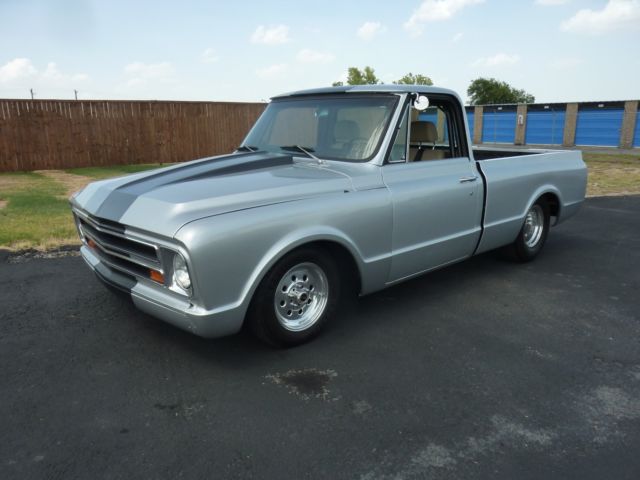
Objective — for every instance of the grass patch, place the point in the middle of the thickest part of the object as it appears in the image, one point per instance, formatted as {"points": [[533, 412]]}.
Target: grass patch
{"points": [[99, 173], [35, 211], [613, 174], [36, 214]]}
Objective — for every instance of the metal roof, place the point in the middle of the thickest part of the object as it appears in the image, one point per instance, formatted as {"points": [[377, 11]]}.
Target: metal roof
{"points": [[369, 89]]}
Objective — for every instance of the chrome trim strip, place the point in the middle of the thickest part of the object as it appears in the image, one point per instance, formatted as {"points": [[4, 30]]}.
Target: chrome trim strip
{"points": [[102, 228], [116, 267], [105, 248], [108, 249]]}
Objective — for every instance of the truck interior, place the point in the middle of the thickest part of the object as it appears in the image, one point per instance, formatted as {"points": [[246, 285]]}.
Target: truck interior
{"points": [[433, 129]]}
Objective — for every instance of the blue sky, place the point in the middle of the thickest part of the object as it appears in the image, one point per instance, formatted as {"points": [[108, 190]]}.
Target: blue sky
{"points": [[558, 50]]}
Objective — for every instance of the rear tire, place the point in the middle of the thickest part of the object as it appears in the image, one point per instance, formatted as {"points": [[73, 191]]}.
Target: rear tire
{"points": [[295, 298], [533, 234]]}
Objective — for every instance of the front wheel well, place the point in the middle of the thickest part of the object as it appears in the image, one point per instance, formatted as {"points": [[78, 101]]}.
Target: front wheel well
{"points": [[344, 260]]}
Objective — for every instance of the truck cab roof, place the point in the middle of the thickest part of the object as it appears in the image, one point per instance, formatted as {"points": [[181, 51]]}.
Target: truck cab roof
{"points": [[382, 88]]}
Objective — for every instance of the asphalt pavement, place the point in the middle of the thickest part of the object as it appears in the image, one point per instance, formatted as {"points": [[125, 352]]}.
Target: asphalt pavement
{"points": [[486, 369]]}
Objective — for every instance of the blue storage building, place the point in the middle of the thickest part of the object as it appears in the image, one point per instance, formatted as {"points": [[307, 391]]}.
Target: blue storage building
{"points": [[429, 115], [499, 124], [599, 124], [470, 117], [545, 124], [636, 135]]}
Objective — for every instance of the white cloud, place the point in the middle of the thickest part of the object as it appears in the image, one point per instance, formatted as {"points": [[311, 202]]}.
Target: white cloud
{"points": [[273, 35], [311, 56], [548, 3], [22, 73], [368, 30], [616, 15], [457, 37], [54, 76], [497, 60], [434, 11], [17, 69], [272, 71], [209, 56]]}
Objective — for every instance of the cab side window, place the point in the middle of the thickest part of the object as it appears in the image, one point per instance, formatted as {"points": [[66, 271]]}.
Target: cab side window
{"points": [[430, 136], [436, 133]]}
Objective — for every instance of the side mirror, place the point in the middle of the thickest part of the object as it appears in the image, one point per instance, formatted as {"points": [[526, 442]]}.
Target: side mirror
{"points": [[420, 102]]}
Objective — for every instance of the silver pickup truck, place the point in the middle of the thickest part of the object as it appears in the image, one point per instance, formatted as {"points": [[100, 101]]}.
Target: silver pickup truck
{"points": [[333, 191]]}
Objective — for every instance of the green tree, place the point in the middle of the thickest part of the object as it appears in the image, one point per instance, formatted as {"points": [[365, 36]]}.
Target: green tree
{"points": [[355, 76], [487, 91], [411, 79]]}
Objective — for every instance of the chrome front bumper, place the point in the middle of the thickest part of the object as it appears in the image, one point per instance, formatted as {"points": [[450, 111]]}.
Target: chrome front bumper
{"points": [[165, 305]]}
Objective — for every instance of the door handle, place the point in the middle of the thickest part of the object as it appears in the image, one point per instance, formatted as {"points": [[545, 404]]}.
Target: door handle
{"points": [[469, 179]]}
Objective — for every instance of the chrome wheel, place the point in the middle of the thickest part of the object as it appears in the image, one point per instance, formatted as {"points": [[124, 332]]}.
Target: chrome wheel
{"points": [[533, 226], [301, 296]]}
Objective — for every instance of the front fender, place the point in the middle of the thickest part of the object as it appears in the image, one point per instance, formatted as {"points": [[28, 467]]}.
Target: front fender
{"points": [[230, 254], [291, 242]]}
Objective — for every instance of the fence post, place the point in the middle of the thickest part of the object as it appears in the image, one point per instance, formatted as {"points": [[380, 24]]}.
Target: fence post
{"points": [[521, 126], [477, 125], [628, 124], [570, 122]]}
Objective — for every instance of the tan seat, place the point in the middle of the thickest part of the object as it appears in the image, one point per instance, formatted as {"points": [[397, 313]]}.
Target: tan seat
{"points": [[345, 131], [424, 135]]}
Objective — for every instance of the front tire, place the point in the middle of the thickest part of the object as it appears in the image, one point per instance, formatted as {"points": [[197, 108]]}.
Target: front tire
{"points": [[295, 298], [533, 234]]}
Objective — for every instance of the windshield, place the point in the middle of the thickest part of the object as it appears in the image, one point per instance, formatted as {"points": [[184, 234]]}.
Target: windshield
{"points": [[347, 127]]}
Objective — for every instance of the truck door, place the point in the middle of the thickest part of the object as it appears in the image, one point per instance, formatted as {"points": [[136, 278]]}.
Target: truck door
{"points": [[436, 190]]}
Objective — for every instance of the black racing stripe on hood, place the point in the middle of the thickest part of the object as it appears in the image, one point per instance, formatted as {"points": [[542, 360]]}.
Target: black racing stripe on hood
{"points": [[160, 177], [246, 166], [118, 202]]}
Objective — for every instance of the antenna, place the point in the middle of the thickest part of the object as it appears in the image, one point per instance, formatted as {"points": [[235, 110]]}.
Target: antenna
{"points": [[76, 93], [32, 93]]}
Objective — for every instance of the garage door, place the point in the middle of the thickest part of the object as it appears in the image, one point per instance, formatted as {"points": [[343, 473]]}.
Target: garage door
{"points": [[599, 126], [545, 127], [498, 126], [636, 136], [470, 117], [429, 116]]}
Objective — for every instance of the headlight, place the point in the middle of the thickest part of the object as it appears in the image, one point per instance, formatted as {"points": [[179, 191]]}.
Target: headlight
{"points": [[181, 272]]}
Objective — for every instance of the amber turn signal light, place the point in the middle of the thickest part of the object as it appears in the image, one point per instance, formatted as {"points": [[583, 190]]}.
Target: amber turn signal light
{"points": [[91, 243], [156, 276]]}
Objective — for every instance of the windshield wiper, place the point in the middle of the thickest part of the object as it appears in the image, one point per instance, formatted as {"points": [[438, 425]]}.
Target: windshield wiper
{"points": [[306, 150], [246, 148]]}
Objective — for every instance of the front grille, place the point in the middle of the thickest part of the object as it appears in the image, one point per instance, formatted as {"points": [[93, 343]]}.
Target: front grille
{"points": [[111, 243]]}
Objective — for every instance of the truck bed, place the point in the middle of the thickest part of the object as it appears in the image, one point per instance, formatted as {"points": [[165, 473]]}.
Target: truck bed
{"points": [[482, 153], [515, 178]]}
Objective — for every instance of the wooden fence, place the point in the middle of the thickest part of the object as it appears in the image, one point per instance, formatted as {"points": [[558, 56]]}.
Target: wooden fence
{"points": [[57, 134]]}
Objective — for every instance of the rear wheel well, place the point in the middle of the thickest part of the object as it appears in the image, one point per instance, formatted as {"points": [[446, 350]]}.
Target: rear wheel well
{"points": [[554, 205]]}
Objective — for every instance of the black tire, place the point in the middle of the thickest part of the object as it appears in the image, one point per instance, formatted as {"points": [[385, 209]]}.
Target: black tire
{"points": [[527, 246], [270, 325]]}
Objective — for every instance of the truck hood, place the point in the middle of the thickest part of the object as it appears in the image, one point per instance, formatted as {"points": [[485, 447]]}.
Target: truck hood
{"points": [[162, 201]]}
